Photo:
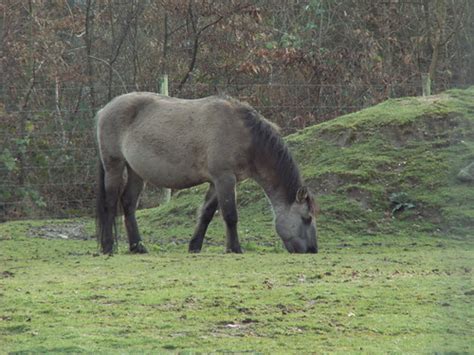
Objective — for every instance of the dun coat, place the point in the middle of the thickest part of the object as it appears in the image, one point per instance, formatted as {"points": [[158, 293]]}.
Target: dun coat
{"points": [[177, 143]]}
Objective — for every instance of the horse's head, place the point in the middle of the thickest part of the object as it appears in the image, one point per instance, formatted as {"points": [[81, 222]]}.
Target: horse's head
{"points": [[296, 225]]}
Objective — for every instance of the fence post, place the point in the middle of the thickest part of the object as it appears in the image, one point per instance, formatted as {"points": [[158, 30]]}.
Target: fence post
{"points": [[426, 84], [165, 194], [164, 85]]}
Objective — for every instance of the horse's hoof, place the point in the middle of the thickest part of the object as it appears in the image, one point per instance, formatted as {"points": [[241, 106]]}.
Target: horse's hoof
{"points": [[234, 250], [194, 251], [108, 250], [138, 248]]}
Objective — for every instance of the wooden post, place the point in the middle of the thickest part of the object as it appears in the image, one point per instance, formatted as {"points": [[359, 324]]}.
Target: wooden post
{"points": [[426, 84], [165, 194], [164, 85]]}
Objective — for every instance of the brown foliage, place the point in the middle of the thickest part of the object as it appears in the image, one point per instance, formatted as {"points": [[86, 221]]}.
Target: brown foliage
{"points": [[298, 62]]}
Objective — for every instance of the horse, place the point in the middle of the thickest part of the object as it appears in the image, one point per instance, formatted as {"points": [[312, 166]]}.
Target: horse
{"points": [[177, 143]]}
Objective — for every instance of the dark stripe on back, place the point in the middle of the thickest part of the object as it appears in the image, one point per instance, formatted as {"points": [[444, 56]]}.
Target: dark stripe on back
{"points": [[268, 145]]}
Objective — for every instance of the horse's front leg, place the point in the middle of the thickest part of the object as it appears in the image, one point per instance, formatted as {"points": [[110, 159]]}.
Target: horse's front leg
{"points": [[225, 188], [207, 212]]}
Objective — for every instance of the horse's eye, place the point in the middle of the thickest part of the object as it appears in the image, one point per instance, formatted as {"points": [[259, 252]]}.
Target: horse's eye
{"points": [[306, 220]]}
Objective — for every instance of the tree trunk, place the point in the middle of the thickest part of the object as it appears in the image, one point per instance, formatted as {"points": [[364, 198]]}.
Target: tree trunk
{"points": [[88, 40], [437, 37]]}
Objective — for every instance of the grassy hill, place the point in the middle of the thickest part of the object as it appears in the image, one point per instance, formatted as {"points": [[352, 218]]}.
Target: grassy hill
{"points": [[386, 170], [394, 273]]}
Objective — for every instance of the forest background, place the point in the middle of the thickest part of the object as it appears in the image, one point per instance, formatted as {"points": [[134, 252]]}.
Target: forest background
{"points": [[298, 62]]}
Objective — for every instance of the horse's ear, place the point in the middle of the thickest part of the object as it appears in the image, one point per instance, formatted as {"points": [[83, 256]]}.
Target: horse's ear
{"points": [[302, 194]]}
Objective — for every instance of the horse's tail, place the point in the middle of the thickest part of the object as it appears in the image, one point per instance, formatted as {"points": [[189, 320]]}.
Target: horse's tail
{"points": [[104, 223]]}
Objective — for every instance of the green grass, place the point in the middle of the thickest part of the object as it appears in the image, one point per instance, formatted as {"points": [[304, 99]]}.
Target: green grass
{"points": [[382, 282], [360, 294]]}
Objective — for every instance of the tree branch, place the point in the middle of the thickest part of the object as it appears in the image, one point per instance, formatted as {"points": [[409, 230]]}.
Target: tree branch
{"points": [[197, 36], [111, 67]]}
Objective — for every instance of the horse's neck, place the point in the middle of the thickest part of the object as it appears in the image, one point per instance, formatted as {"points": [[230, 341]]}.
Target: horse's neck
{"points": [[274, 190]]}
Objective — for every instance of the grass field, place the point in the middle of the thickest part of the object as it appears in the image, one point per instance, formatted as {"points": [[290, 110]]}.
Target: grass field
{"points": [[374, 294], [394, 273]]}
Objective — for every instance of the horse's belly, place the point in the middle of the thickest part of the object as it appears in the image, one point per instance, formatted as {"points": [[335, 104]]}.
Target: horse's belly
{"points": [[170, 173]]}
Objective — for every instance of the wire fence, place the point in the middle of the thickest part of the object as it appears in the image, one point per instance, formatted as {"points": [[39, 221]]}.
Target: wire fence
{"points": [[48, 154]]}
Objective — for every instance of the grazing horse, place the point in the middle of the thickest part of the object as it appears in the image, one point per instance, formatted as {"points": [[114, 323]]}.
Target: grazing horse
{"points": [[177, 143]]}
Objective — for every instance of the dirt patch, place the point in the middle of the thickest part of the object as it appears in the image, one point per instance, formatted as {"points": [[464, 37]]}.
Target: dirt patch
{"points": [[73, 230], [361, 196], [346, 137], [330, 182]]}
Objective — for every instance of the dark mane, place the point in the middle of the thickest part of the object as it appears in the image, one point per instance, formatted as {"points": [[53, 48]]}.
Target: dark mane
{"points": [[269, 145]]}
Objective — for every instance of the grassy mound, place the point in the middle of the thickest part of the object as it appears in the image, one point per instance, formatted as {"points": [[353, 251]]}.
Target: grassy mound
{"points": [[395, 162], [386, 170]]}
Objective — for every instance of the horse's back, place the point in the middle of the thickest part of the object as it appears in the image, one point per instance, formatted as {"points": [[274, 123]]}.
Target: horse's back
{"points": [[175, 142]]}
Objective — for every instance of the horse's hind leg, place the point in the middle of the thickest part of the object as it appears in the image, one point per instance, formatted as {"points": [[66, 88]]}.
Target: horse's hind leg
{"points": [[225, 188], [111, 176], [207, 212], [129, 200]]}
